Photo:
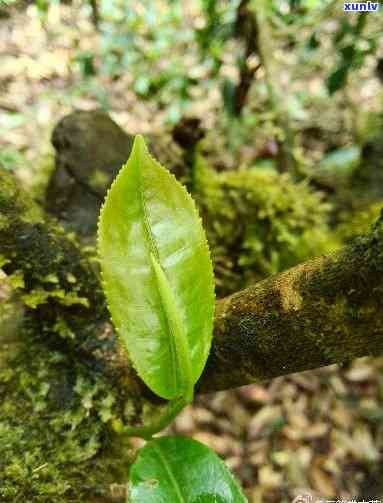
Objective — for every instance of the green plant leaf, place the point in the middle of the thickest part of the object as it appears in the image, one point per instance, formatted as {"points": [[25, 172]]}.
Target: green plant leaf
{"points": [[157, 274], [338, 78], [181, 470]]}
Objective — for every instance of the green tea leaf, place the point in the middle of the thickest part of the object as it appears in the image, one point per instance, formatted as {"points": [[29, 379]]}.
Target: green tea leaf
{"points": [[157, 274], [181, 470]]}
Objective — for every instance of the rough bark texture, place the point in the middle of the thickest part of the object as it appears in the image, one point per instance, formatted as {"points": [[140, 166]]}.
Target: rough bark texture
{"points": [[326, 310]]}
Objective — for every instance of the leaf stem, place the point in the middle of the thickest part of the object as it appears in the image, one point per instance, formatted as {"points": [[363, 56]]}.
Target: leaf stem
{"points": [[174, 407]]}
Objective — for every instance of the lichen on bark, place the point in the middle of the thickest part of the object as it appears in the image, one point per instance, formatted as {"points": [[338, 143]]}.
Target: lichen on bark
{"points": [[326, 310]]}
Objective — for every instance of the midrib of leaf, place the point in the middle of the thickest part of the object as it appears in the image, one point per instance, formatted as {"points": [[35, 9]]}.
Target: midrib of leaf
{"points": [[169, 471], [177, 330], [153, 249]]}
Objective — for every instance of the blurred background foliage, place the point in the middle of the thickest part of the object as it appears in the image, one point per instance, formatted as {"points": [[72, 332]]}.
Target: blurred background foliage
{"points": [[291, 85], [209, 55], [276, 109]]}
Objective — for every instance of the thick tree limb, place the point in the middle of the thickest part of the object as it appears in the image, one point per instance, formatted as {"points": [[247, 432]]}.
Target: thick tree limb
{"points": [[324, 311]]}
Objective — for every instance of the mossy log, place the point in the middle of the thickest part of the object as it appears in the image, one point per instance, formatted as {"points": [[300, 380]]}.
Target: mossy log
{"points": [[64, 377]]}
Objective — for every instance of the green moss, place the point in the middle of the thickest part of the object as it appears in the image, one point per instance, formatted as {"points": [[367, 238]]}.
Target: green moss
{"points": [[50, 278], [70, 278], [3, 261], [54, 440], [39, 296], [16, 279], [62, 329], [45, 163], [3, 222], [59, 391], [260, 222], [358, 222], [33, 215]]}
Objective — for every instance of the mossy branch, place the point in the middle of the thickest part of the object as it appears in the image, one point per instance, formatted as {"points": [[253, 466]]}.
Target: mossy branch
{"points": [[323, 311], [65, 380], [326, 310]]}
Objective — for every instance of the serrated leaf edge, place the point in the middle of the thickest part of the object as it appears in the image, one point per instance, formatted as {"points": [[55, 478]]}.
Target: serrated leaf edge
{"points": [[210, 293]]}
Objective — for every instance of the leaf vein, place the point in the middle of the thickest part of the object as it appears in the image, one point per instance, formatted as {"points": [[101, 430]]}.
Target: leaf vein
{"points": [[169, 472], [154, 249]]}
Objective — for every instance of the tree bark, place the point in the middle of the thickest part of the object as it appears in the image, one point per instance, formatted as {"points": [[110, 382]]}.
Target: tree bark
{"points": [[326, 310]]}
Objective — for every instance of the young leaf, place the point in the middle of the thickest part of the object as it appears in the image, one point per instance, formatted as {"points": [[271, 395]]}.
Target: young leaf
{"points": [[181, 470], [157, 274]]}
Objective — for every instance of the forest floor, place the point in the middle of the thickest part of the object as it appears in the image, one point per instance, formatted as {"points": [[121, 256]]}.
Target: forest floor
{"points": [[319, 431]]}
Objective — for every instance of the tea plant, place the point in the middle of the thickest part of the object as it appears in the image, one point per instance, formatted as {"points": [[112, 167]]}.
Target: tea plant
{"points": [[158, 281]]}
